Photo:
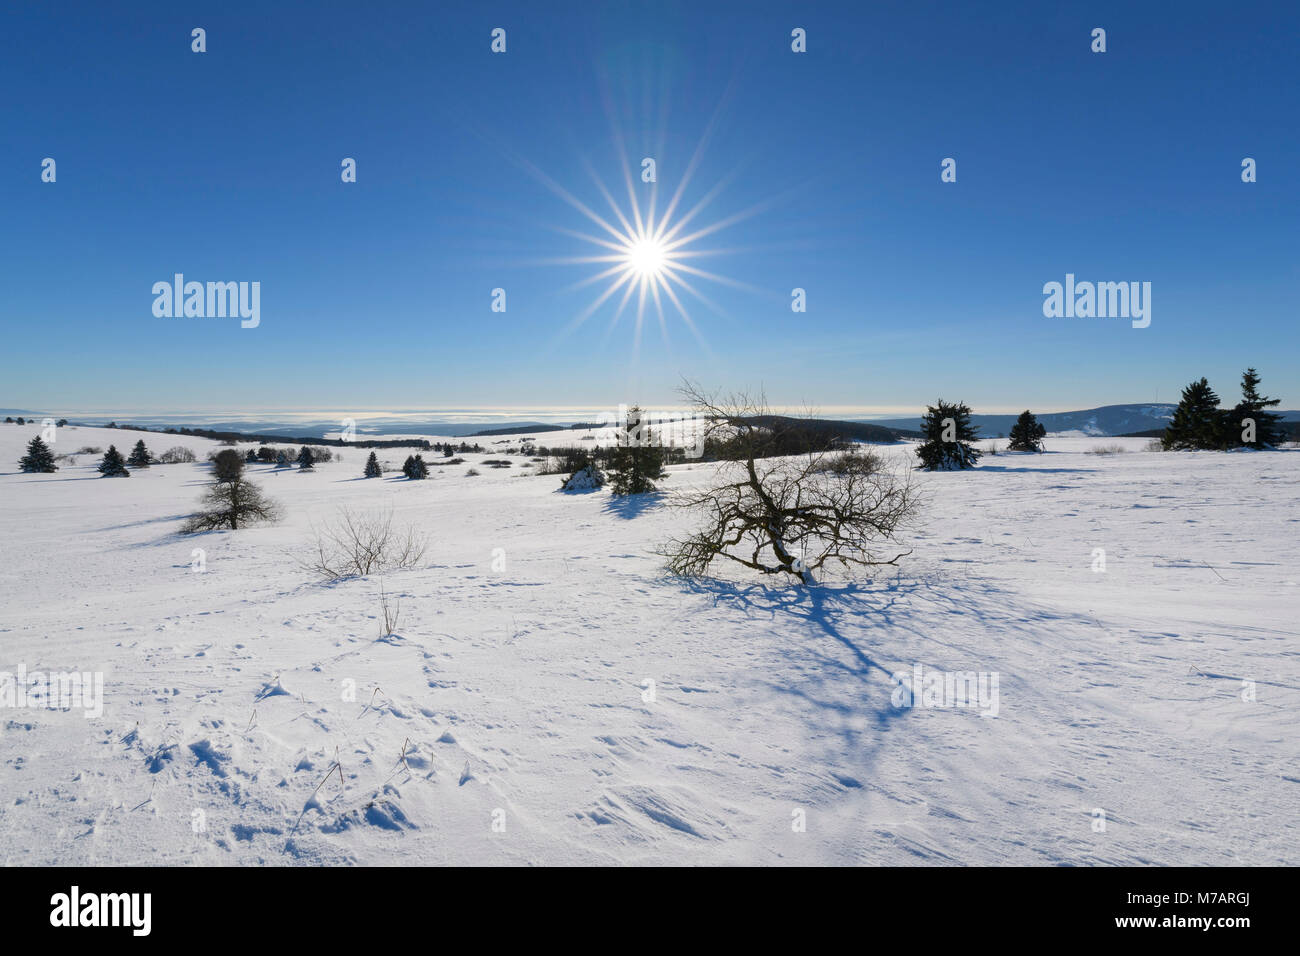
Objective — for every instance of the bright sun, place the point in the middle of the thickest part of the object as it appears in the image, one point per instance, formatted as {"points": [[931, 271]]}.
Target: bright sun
{"points": [[646, 257]]}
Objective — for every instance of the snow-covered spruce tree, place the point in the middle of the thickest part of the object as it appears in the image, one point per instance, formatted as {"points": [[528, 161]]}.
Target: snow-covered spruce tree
{"points": [[1026, 434], [282, 459], [1250, 423], [415, 468], [947, 434], [39, 458], [783, 513], [588, 477], [636, 464], [1197, 422], [251, 457], [140, 456], [113, 466], [373, 469], [306, 460]]}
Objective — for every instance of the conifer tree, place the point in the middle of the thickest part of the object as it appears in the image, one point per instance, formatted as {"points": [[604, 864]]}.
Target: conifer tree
{"points": [[1250, 423], [113, 466], [947, 434], [251, 457], [227, 465], [636, 464], [1197, 422], [282, 459], [39, 458], [1026, 434], [139, 456], [373, 470], [306, 460]]}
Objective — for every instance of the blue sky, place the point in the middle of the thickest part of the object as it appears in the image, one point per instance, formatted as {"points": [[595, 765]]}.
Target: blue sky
{"points": [[224, 166]]}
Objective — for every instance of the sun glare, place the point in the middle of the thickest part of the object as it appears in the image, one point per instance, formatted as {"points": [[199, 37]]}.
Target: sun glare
{"points": [[647, 252], [646, 257]]}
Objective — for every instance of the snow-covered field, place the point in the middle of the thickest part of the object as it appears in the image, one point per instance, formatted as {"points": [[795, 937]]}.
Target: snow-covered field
{"points": [[509, 718]]}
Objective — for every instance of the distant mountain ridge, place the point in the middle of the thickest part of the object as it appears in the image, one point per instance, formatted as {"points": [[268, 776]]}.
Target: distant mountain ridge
{"points": [[1108, 420]]}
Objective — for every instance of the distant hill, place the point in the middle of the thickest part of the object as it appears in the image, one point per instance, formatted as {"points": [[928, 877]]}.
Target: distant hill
{"points": [[1108, 420]]}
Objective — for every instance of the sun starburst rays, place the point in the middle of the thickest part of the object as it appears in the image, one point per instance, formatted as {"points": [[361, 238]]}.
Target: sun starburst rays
{"points": [[644, 255]]}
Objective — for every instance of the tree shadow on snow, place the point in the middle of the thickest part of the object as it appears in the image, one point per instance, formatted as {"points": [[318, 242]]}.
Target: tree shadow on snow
{"points": [[836, 680], [632, 506], [1036, 471]]}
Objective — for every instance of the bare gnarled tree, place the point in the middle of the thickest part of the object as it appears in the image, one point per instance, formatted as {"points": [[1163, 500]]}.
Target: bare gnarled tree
{"points": [[786, 499]]}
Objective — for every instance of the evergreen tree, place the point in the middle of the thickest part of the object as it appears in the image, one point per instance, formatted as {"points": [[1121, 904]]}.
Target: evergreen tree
{"points": [[1197, 422], [306, 459], [373, 470], [1253, 407], [947, 434], [1026, 434], [139, 456], [113, 466], [636, 464], [282, 459], [251, 457], [39, 458], [9, 419], [21, 420], [227, 465], [415, 468], [447, 451]]}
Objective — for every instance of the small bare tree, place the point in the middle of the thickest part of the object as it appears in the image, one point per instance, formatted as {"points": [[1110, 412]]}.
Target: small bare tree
{"points": [[231, 504], [361, 543], [390, 609], [786, 499]]}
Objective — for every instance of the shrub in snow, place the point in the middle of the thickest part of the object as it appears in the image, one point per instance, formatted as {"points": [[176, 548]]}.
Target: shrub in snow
{"points": [[39, 458], [360, 543], [113, 466], [587, 478], [947, 434], [176, 456]]}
